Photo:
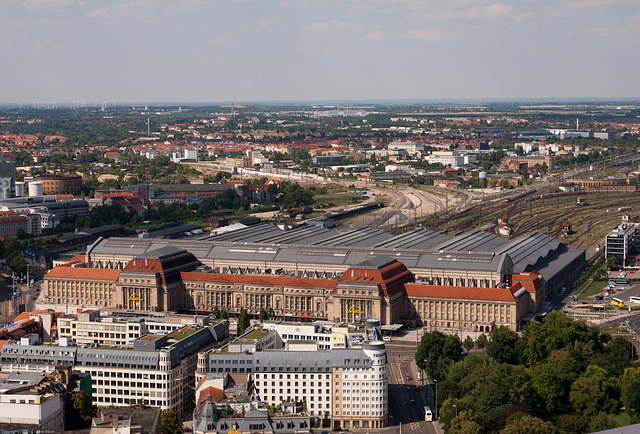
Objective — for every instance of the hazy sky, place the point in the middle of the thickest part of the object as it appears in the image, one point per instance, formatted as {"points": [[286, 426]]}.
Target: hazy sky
{"points": [[262, 50]]}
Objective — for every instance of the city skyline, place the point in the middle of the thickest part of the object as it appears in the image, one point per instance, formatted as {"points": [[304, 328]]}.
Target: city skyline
{"points": [[243, 50]]}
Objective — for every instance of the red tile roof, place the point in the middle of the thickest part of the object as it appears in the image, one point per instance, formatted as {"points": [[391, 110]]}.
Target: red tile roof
{"points": [[216, 394], [462, 292], [390, 278], [256, 279], [84, 273]]}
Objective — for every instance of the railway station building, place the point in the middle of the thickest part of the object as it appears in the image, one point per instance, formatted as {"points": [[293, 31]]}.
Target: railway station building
{"points": [[473, 281]]}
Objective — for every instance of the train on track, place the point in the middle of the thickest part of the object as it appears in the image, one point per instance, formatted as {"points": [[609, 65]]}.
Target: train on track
{"points": [[553, 195], [520, 195]]}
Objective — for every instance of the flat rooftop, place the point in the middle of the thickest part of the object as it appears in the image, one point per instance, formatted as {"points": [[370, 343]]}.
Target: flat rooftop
{"points": [[151, 337], [255, 334]]}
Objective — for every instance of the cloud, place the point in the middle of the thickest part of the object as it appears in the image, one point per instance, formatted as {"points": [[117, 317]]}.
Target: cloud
{"points": [[222, 40], [333, 25], [36, 4], [493, 12], [265, 24], [126, 9], [57, 48], [379, 36], [578, 8], [605, 32], [38, 47], [426, 34], [314, 49]]}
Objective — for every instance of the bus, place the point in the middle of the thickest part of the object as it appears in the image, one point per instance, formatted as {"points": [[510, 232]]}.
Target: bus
{"points": [[634, 299], [618, 282], [428, 416], [617, 302]]}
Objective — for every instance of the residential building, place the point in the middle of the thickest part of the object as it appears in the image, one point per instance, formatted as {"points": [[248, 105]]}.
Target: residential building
{"points": [[32, 400], [125, 420], [11, 222]]}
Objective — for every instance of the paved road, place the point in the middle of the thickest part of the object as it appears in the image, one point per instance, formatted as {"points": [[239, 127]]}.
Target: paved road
{"points": [[403, 374]]}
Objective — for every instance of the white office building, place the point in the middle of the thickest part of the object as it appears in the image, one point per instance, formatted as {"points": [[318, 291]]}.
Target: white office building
{"points": [[345, 386], [158, 369]]}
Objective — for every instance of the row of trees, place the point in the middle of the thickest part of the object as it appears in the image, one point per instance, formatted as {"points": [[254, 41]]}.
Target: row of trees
{"points": [[559, 376]]}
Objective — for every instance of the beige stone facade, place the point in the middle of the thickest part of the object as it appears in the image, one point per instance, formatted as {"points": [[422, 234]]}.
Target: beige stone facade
{"points": [[380, 288]]}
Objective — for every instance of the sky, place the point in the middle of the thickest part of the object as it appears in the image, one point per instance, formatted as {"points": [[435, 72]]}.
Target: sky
{"points": [[317, 50]]}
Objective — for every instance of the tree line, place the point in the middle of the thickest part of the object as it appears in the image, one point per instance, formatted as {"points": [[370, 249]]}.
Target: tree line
{"points": [[558, 376]]}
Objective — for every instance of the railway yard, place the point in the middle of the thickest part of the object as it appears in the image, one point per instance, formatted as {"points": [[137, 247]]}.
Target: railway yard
{"points": [[590, 221]]}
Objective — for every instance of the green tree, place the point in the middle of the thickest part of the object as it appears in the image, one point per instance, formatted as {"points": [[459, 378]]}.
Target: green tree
{"points": [[557, 332], [612, 262], [243, 321], [18, 263], [529, 425], [631, 375], [170, 423], [468, 343], [437, 352], [572, 423], [80, 412], [593, 392], [263, 314], [296, 196], [466, 423], [503, 345], [617, 357], [631, 397], [604, 421], [482, 341], [552, 380]]}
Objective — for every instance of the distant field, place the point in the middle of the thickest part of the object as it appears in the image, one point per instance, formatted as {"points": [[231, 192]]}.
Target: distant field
{"points": [[340, 199]]}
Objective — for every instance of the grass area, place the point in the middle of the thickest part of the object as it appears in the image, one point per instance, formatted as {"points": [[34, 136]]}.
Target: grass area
{"points": [[334, 188], [182, 333], [384, 199], [596, 287], [339, 199], [435, 190]]}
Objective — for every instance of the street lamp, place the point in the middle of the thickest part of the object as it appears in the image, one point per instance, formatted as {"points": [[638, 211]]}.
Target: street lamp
{"points": [[436, 402], [456, 409]]}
